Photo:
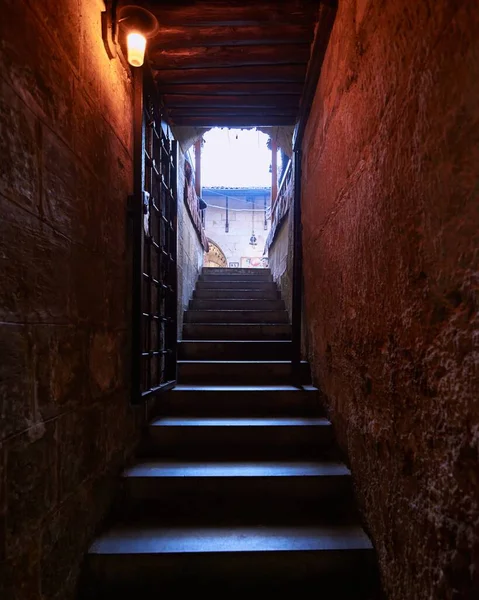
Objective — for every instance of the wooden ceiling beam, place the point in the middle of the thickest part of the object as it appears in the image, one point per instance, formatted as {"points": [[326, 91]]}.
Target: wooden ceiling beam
{"points": [[170, 38], [232, 89], [230, 121], [228, 56], [222, 101], [232, 13], [237, 111], [248, 74]]}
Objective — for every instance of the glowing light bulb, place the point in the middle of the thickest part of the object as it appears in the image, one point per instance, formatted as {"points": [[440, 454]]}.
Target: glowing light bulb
{"points": [[136, 45]]}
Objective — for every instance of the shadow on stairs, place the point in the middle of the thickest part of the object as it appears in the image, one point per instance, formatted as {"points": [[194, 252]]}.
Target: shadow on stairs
{"points": [[238, 487]]}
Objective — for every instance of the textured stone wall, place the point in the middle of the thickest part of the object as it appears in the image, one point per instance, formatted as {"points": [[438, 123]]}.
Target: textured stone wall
{"points": [[190, 251], [65, 173], [391, 242]]}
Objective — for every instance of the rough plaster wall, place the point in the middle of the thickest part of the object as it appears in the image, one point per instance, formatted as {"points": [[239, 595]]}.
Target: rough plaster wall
{"points": [[281, 261], [65, 173], [391, 226], [190, 251]]}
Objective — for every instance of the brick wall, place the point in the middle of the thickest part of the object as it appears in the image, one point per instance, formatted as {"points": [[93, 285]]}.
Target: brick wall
{"points": [[65, 173], [391, 225]]}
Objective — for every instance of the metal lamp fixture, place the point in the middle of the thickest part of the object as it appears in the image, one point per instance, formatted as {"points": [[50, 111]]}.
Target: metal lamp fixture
{"points": [[136, 45], [131, 25]]}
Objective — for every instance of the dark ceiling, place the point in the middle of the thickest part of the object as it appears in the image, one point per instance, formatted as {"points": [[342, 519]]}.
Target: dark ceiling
{"points": [[230, 62]]}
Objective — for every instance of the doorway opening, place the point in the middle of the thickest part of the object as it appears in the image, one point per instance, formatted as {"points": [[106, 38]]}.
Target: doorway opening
{"points": [[215, 257], [237, 182]]}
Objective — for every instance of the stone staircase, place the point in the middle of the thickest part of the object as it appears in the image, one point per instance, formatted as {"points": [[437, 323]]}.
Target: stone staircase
{"points": [[238, 488]]}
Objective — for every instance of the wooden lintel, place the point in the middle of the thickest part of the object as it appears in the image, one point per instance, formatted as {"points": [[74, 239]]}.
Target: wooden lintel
{"points": [[170, 38], [230, 101], [228, 56], [230, 121], [232, 89], [262, 74], [232, 13], [235, 111]]}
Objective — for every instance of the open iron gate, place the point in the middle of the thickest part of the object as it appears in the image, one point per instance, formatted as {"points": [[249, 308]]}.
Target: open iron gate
{"points": [[154, 213]]}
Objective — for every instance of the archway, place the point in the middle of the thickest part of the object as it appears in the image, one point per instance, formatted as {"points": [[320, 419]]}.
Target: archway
{"points": [[215, 257]]}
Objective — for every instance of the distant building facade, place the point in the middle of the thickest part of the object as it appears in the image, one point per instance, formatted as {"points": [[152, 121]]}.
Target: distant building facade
{"points": [[237, 223]]}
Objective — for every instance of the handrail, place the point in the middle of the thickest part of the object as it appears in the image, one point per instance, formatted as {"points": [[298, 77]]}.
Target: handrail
{"points": [[283, 183]]}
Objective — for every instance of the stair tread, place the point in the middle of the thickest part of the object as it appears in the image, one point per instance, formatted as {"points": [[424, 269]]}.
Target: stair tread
{"points": [[234, 310], [167, 469], [235, 290], [240, 422], [243, 324], [202, 341], [238, 362], [175, 540], [243, 388]]}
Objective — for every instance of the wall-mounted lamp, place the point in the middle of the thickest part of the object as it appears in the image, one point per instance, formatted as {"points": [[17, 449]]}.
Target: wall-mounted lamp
{"points": [[136, 45], [129, 26]]}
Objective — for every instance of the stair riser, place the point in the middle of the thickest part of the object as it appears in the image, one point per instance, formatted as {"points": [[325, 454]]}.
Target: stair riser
{"points": [[257, 286], [236, 294], [239, 373], [235, 277], [234, 442], [234, 271], [144, 575], [233, 304], [199, 350], [241, 494], [208, 404], [236, 316], [210, 502], [194, 331]]}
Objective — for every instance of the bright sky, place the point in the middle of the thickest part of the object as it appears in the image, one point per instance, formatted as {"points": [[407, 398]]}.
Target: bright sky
{"points": [[235, 158]]}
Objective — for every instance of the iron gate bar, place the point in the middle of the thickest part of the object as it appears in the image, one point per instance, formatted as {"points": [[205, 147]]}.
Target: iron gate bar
{"points": [[154, 212]]}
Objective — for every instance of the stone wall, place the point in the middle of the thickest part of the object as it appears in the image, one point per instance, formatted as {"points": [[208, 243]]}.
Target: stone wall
{"points": [[391, 243], [190, 250], [65, 174]]}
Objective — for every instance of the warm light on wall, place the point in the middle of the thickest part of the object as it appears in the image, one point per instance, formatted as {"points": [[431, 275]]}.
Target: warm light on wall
{"points": [[136, 45]]}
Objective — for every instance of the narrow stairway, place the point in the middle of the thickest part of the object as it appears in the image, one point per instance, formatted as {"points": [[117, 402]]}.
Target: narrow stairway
{"points": [[238, 488]]}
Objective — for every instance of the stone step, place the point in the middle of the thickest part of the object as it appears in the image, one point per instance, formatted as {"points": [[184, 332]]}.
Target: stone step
{"points": [[234, 350], [241, 401], [239, 438], [236, 304], [227, 331], [247, 284], [237, 372], [151, 560], [234, 271], [236, 316], [236, 294], [237, 491], [227, 277]]}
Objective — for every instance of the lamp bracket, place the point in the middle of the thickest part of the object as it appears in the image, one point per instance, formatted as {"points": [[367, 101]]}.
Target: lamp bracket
{"points": [[109, 28]]}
